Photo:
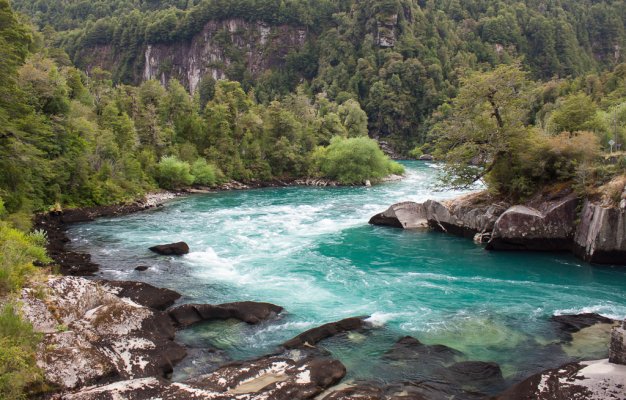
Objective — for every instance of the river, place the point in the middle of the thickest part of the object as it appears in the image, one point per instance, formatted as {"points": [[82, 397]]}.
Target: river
{"points": [[311, 251]]}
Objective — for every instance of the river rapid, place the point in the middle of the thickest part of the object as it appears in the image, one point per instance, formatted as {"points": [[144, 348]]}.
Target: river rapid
{"points": [[312, 251]]}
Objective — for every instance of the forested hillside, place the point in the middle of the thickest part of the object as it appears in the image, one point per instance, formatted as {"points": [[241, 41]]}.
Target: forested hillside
{"points": [[400, 59], [72, 136]]}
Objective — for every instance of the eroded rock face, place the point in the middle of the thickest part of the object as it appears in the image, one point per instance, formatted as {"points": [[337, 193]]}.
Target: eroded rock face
{"points": [[246, 311], [601, 235], [617, 348], [172, 249], [270, 378], [92, 335], [315, 335], [407, 215], [527, 228]]}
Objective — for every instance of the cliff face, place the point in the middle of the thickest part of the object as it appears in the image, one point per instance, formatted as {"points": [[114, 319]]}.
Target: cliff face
{"points": [[601, 234], [220, 45], [212, 51]]}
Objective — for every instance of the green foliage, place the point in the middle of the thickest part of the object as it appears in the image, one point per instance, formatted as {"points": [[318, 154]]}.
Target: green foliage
{"points": [[204, 174], [173, 173], [18, 343], [354, 160], [18, 251]]}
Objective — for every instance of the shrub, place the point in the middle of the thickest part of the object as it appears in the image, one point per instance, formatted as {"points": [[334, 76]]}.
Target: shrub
{"points": [[173, 173], [18, 343], [18, 251], [354, 160], [204, 173]]}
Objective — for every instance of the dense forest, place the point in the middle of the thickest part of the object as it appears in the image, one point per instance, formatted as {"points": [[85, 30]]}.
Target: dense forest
{"points": [[522, 95]]}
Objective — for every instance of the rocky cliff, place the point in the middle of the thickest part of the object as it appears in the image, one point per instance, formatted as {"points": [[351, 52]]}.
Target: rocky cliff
{"points": [[597, 234], [220, 50]]}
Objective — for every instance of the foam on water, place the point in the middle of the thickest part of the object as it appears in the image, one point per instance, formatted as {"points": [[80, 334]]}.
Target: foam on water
{"points": [[311, 251]]}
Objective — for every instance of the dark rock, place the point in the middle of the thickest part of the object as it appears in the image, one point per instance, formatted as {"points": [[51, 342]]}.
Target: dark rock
{"points": [[246, 311], [360, 392], [617, 348], [601, 235], [141, 268], [315, 335], [574, 323], [143, 293], [425, 357], [172, 249], [550, 228], [555, 384]]}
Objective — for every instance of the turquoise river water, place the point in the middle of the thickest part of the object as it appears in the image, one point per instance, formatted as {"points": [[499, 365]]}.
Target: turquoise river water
{"points": [[312, 251]]}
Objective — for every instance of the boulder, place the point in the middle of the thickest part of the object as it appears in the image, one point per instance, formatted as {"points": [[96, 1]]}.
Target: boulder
{"points": [[274, 377], [246, 311], [91, 335], [143, 293], [315, 335], [141, 268], [172, 249], [527, 228], [407, 215], [426, 157], [617, 348], [574, 323], [589, 380], [601, 234]]}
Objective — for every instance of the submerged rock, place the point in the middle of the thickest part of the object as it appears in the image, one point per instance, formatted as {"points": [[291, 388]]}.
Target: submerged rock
{"points": [[590, 380], [172, 249], [601, 234], [245, 311], [550, 228], [315, 335], [91, 335], [409, 349], [617, 348], [143, 293], [474, 374]]}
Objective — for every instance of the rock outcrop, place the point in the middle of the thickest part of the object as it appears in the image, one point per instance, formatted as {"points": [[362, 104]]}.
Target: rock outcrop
{"points": [[283, 377], [172, 249], [246, 311], [597, 234], [550, 227], [262, 46], [617, 348], [91, 335], [601, 234], [574, 323], [589, 380], [465, 216]]}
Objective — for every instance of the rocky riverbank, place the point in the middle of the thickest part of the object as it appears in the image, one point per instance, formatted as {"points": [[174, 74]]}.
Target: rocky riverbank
{"points": [[547, 222]]}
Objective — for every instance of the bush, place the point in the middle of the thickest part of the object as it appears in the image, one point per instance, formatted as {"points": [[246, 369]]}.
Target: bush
{"points": [[18, 251], [204, 173], [354, 160], [173, 173], [18, 343]]}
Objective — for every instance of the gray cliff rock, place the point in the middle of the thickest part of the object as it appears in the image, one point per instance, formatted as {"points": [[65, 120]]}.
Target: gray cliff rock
{"points": [[549, 228], [601, 235], [617, 348], [407, 215], [91, 335]]}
